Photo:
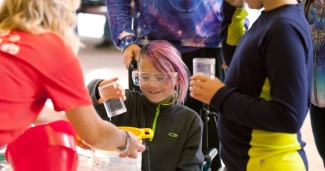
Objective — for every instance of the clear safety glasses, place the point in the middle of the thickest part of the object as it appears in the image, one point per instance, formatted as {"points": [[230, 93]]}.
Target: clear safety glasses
{"points": [[144, 78]]}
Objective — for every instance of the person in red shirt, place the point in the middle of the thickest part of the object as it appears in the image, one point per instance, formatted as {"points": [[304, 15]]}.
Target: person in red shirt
{"points": [[38, 62]]}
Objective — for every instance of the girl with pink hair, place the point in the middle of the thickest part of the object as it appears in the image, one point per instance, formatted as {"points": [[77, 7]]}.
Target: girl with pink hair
{"points": [[163, 79]]}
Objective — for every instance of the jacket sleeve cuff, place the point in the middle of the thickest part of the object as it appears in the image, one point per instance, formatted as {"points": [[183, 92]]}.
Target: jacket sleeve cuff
{"points": [[93, 90], [127, 41], [219, 98]]}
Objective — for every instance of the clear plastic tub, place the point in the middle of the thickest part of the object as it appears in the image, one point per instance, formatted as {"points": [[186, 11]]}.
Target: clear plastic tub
{"points": [[110, 159]]}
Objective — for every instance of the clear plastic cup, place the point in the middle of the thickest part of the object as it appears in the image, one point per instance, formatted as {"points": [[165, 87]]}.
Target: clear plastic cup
{"points": [[113, 106], [205, 66]]}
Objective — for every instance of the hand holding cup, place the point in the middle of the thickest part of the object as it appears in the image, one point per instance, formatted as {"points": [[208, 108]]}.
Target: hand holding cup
{"points": [[112, 95], [117, 92]]}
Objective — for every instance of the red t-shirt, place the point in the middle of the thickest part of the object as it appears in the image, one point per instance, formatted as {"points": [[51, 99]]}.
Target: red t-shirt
{"points": [[34, 68]]}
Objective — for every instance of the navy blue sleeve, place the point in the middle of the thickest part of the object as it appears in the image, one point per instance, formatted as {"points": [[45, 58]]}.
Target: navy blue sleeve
{"points": [[287, 55]]}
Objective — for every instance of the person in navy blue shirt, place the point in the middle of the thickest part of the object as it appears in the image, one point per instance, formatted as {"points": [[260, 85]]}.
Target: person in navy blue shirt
{"points": [[265, 97]]}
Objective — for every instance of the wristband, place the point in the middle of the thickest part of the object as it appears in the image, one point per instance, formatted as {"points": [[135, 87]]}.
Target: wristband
{"points": [[124, 148]]}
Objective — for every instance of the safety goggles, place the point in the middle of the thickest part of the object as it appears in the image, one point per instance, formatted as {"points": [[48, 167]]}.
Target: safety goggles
{"points": [[144, 78]]}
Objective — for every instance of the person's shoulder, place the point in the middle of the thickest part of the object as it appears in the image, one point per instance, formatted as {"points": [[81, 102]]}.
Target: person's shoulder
{"points": [[48, 41], [56, 45], [50, 45], [287, 23], [39, 37], [33, 44], [52, 38], [287, 15]]}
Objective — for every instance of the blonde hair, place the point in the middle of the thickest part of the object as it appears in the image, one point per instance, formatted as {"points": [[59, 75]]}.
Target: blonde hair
{"points": [[39, 16]]}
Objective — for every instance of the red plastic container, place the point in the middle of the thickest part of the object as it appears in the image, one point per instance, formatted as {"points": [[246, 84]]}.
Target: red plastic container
{"points": [[47, 147]]}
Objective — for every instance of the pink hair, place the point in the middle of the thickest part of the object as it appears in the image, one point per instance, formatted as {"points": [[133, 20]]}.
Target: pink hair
{"points": [[166, 58]]}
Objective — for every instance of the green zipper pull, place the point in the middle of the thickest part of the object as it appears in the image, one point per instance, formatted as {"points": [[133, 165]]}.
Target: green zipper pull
{"points": [[155, 120]]}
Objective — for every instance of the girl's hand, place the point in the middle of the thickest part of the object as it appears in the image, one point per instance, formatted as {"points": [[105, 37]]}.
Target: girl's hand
{"points": [[115, 91]]}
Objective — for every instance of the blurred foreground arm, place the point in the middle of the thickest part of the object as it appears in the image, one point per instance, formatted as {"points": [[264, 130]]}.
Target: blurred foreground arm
{"points": [[92, 129], [101, 134]]}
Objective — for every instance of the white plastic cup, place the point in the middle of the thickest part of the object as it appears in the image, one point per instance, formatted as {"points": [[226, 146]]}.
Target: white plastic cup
{"points": [[113, 106], [205, 66]]}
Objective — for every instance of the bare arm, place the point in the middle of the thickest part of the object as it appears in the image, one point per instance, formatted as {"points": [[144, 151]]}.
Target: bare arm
{"points": [[99, 133], [92, 129]]}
